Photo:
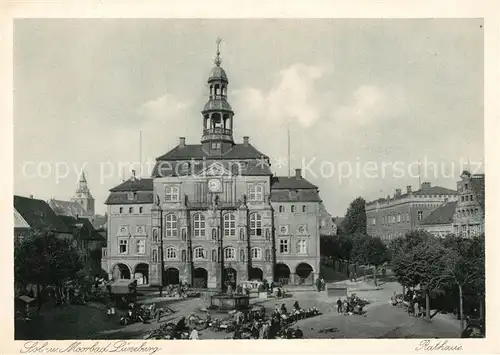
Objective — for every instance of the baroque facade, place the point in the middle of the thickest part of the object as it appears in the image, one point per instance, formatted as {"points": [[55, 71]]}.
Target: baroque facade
{"points": [[217, 209], [394, 216]]}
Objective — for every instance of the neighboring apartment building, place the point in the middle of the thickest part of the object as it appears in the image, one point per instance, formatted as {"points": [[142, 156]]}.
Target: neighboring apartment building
{"points": [[394, 216], [31, 214], [128, 252], [469, 217], [440, 221], [218, 199]]}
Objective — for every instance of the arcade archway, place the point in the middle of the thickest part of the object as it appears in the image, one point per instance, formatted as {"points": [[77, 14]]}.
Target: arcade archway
{"points": [[304, 274], [282, 273], [121, 271], [200, 278], [172, 276], [141, 274], [256, 274]]}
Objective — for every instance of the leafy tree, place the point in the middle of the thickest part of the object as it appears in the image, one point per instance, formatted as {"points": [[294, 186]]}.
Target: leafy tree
{"points": [[45, 259], [355, 218], [418, 259], [464, 262], [376, 254]]}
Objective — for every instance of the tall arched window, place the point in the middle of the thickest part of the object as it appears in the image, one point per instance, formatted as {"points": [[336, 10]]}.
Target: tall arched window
{"points": [[199, 253], [256, 253], [255, 224], [155, 235], [171, 225], [229, 225], [155, 255], [282, 209], [256, 193], [199, 225], [229, 253], [171, 253], [214, 254]]}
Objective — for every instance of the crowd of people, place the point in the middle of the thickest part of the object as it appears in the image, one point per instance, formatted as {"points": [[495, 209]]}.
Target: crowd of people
{"points": [[351, 305]]}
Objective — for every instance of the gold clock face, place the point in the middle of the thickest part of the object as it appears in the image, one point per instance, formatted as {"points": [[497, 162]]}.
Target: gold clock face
{"points": [[214, 185]]}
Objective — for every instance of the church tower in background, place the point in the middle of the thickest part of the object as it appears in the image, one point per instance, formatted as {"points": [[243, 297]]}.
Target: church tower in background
{"points": [[84, 198]]}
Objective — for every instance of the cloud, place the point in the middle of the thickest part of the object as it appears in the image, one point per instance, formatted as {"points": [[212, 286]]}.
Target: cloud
{"points": [[292, 99], [167, 106]]}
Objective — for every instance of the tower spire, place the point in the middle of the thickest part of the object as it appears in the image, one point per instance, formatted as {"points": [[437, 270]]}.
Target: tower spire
{"points": [[217, 60]]}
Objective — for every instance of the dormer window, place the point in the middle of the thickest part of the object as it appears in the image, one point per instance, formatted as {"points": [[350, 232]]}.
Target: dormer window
{"points": [[131, 196]]}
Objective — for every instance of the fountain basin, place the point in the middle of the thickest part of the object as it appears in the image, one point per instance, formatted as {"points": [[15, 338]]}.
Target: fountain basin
{"points": [[225, 302]]}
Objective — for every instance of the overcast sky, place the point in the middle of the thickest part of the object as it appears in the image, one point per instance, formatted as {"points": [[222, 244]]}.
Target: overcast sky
{"points": [[353, 92]]}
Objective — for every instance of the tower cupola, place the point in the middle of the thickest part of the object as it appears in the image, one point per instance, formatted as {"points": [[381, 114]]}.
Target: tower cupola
{"points": [[217, 113]]}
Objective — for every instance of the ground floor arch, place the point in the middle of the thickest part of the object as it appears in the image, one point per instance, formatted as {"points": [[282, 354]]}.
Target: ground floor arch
{"points": [[256, 274], [171, 276], [141, 273], [282, 273], [304, 273], [200, 278], [121, 271]]}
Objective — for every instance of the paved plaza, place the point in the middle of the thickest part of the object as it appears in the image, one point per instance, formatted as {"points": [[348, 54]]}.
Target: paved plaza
{"points": [[380, 321]]}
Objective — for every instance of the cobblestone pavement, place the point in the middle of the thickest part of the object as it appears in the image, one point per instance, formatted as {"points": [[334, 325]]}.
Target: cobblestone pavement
{"points": [[380, 321]]}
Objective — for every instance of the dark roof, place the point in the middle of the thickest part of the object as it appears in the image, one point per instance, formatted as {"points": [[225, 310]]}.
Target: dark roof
{"points": [[195, 151], [217, 73], [436, 190], [100, 221], [67, 208], [252, 167], [217, 105], [134, 185], [87, 230], [284, 182], [122, 198], [429, 190], [39, 215], [308, 195], [477, 185], [441, 215], [338, 220]]}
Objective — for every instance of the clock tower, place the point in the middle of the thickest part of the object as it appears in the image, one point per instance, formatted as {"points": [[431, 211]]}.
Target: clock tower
{"points": [[83, 197], [217, 138]]}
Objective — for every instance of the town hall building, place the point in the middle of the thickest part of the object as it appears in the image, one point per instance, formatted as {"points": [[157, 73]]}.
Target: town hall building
{"points": [[214, 212]]}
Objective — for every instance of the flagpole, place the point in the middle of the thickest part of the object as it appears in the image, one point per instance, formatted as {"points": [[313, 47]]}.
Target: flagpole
{"points": [[140, 153], [288, 144]]}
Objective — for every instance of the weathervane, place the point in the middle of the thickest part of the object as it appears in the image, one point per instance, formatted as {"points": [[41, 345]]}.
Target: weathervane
{"points": [[218, 61]]}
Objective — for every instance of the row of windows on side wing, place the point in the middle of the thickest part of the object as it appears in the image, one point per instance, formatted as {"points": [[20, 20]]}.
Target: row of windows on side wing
{"points": [[293, 209], [131, 210]]}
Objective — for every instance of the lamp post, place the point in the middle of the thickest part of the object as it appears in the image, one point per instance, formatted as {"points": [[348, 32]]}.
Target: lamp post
{"points": [[158, 215]]}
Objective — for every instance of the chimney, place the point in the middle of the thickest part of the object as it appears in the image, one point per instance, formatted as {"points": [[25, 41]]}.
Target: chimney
{"points": [[245, 141], [398, 192], [298, 173], [425, 186], [133, 175], [408, 189], [182, 142]]}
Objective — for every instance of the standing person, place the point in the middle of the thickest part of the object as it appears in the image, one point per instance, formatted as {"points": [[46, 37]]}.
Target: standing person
{"points": [[194, 334], [318, 284], [416, 309], [339, 305]]}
